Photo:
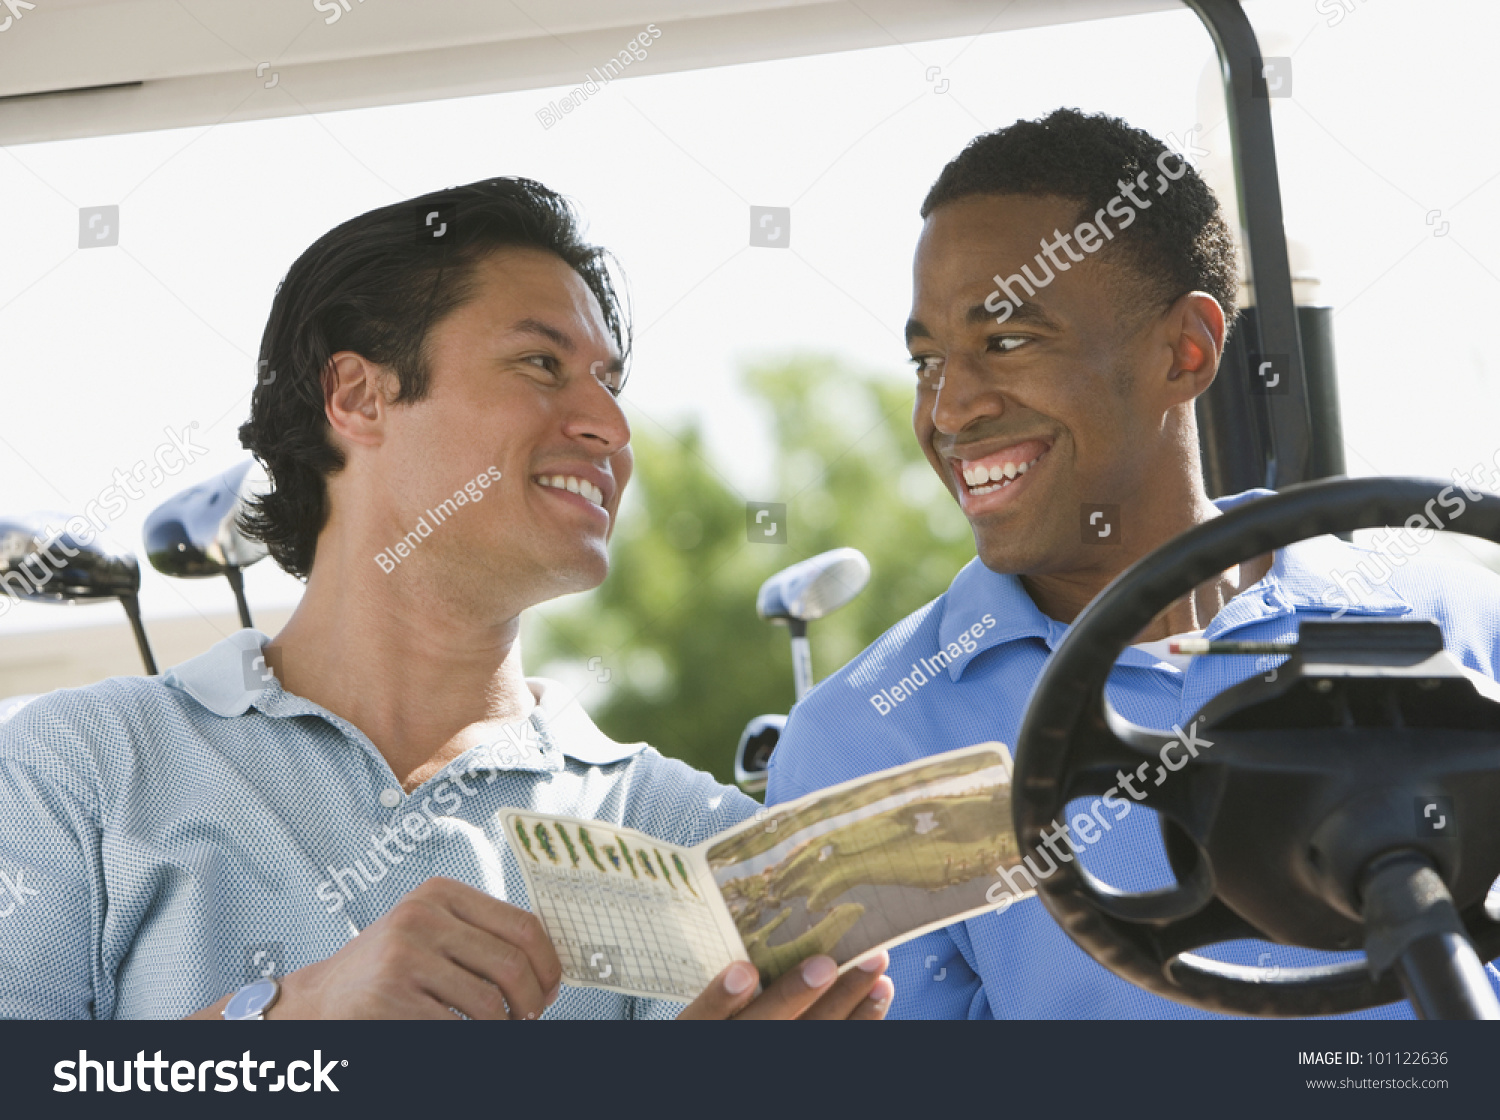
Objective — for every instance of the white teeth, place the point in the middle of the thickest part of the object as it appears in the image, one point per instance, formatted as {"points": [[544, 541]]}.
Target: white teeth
{"points": [[978, 478], [580, 486]]}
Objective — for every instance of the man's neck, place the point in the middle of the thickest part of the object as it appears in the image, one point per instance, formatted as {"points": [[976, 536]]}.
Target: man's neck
{"points": [[1063, 595], [424, 679]]}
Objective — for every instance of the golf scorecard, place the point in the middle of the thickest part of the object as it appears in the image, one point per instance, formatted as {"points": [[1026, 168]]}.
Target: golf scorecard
{"points": [[845, 871]]}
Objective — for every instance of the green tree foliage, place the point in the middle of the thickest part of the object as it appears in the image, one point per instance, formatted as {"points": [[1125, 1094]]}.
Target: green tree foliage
{"points": [[674, 626]]}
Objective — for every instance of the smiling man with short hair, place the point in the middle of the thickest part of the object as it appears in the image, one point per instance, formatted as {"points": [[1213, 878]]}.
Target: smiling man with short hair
{"points": [[322, 839], [1073, 285]]}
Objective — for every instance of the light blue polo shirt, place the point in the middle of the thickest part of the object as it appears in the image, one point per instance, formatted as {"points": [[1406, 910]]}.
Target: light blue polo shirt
{"points": [[1019, 964], [164, 841]]}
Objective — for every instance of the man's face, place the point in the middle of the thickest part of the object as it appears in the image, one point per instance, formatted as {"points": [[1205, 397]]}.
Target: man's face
{"points": [[1049, 397], [517, 383]]}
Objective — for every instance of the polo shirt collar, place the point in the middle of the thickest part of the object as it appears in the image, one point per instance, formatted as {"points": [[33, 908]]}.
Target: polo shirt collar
{"points": [[1300, 579], [232, 677]]}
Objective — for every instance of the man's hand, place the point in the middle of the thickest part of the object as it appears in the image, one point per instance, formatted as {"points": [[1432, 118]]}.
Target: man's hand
{"points": [[813, 990], [445, 945]]}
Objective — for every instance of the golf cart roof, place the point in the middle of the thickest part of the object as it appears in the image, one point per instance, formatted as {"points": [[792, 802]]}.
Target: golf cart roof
{"points": [[98, 67]]}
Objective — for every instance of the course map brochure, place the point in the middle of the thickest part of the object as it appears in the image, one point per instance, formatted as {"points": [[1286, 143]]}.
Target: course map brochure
{"points": [[845, 871]]}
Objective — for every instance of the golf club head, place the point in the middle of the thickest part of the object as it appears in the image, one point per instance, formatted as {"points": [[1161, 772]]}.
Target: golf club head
{"points": [[752, 757], [814, 587], [194, 535], [42, 563]]}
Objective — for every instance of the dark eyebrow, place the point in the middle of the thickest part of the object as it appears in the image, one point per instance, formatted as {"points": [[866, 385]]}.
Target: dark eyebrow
{"points": [[979, 313], [1025, 313], [558, 338]]}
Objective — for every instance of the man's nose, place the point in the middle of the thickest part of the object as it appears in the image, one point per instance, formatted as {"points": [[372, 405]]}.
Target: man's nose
{"points": [[599, 419], [963, 396]]}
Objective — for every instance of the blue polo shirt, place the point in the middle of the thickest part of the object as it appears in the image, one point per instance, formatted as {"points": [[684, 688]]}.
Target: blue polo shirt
{"points": [[1019, 964]]}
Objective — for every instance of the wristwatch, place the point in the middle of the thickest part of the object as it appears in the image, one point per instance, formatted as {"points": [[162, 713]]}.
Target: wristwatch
{"points": [[253, 1000]]}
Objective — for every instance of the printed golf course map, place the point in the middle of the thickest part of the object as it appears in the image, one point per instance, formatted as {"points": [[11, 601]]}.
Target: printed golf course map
{"points": [[845, 871]]}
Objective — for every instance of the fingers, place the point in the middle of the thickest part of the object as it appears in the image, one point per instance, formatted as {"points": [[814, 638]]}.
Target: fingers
{"points": [[875, 1005], [505, 966], [731, 990], [857, 993], [450, 985], [536, 976], [796, 991]]}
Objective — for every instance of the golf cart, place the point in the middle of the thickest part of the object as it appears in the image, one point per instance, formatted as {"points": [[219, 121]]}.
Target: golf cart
{"points": [[1329, 872]]}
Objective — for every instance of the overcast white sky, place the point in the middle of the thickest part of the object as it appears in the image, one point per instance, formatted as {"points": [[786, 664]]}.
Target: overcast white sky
{"points": [[1392, 117]]}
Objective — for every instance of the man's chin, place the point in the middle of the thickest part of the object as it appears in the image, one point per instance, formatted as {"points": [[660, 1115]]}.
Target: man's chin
{"points": [[577, 574], [1004, 558]]}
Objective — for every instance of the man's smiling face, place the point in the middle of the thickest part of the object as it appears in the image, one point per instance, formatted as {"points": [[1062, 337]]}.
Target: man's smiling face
{"points": [[1027, 420], [521, 378]]}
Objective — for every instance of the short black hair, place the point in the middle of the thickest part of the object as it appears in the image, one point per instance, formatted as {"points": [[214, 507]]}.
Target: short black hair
{"points": [[376, 285], [1180, 244]]}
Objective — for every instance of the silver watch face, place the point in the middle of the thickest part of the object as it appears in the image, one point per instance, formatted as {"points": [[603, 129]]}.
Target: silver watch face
{"points": [[252, 1000]]}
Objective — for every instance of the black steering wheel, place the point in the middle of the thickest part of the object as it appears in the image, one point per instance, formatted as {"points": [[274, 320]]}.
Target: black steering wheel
{"points": [[1072, 743]]}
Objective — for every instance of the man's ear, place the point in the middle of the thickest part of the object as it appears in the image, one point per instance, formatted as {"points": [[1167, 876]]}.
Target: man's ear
{"points": [[354, 398], [1195, 336]]}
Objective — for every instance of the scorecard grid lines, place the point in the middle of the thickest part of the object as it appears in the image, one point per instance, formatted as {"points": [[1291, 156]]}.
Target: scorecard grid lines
{"points": [[629, 934]]}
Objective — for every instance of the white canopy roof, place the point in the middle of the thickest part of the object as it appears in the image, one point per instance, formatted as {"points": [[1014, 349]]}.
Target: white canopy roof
{"points": [[71, 68]]}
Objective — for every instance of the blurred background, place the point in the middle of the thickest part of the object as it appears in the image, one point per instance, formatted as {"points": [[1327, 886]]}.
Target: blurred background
{"points": [[762, 373]]}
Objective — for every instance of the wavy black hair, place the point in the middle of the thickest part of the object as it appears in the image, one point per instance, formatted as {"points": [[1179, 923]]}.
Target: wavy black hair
{"points": [[376, 285], [1180, 244]]}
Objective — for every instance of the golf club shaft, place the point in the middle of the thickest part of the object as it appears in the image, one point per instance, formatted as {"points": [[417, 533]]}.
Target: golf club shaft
{"points": [[236, 580], [802, 673], [132, 606]]}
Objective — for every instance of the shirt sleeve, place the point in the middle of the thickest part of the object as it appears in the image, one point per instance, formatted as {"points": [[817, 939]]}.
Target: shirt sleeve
{"points": [[51, 874], [666, 797]]}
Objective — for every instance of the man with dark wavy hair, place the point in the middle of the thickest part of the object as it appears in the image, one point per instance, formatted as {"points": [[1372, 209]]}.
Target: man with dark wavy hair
{"points": [[318, 815], [1073, 286]]}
